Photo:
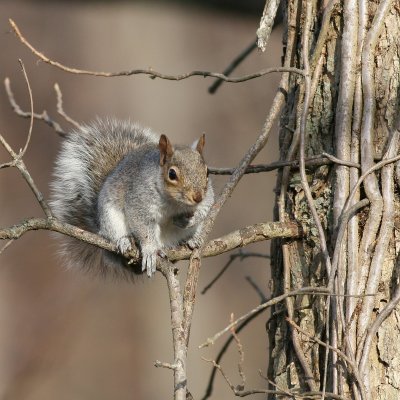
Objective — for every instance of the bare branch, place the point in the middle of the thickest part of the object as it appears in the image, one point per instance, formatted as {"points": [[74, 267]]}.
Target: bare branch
{"points": [[251, 234], [23, 151], [52, 224], [242, 255], [60, 108], [160, 364], [334, 349], [215, 247], [323, 159], [189, 295], [43, 116], [9, 243], [232, 66], [180, 346], [223, 350], [244, 393], [19, 163], [275, 300], [259, 291], [153, 74], [240, 352], [266, 23]]}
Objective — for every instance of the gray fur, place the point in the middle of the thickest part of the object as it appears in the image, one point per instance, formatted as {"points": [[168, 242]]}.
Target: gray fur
{"points": [[108, 180]]}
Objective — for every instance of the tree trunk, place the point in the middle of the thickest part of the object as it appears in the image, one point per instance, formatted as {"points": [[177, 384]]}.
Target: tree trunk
{"points": [[353, 114]]}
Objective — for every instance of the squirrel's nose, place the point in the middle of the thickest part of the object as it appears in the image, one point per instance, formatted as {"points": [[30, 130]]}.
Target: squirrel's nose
{"points": [[197, 197]]}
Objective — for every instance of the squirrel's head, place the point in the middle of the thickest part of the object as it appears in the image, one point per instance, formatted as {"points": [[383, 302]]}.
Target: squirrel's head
{"points": [[184, 171]]}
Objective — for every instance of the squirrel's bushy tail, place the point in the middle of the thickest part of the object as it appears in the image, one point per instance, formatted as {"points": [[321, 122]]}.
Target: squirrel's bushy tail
{"points": [[86, 158]]}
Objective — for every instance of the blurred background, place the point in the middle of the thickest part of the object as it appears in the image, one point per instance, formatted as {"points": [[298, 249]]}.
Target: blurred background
{"points": [[65, 335]]}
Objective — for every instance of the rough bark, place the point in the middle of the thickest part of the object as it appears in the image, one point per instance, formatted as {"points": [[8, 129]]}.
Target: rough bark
{"points": [[355, 94]]}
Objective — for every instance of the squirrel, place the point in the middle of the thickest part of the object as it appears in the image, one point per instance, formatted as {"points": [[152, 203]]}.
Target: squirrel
{"points": [[128, 184]]}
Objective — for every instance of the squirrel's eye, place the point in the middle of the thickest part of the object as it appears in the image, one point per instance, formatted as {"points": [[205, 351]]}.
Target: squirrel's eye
{"points": [[172, 175]]}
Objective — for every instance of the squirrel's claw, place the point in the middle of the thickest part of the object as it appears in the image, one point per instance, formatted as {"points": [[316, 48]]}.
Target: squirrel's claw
{"points": [[194, 242], [149, 263], [161, 254], [124, 245]]}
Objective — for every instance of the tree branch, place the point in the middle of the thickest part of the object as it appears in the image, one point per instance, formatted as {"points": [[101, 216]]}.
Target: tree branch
{"points": [[315, 161], [232, 66], [60, 108], [153, 74], [266, 23], [236, 239], [269, 303], [44, 116]]}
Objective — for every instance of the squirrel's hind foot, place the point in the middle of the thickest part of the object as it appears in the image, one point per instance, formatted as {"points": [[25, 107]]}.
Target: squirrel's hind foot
{"points": [[149, 263]]}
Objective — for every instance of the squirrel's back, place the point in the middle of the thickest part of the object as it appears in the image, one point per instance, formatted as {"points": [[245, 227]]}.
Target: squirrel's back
{"points": [[86, 158]]}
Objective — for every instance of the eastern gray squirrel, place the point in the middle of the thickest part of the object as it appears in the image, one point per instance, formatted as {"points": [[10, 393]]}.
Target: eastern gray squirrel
{"points": [[127, 183]]}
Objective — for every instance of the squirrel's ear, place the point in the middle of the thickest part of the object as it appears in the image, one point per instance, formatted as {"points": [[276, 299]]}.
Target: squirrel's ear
{"points": [[199, 143], [165, 149]]}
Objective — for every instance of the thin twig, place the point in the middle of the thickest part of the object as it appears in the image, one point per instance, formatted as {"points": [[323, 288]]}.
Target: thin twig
{"points": [[254, 285], [272, 383], [223, 350], [242, 255], [323, 32], [233, 65], [9, 243], [240, 352], [315, 161], [243, 393], [353, 366], [339, 161], [361, 179], [263, 306], [60, 108], [28, 139], [160, 364], [153, 74], [19, 163], [43, 116], [342, 229]]}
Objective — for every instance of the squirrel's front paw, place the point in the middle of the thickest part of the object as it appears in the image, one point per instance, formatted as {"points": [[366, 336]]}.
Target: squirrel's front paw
{"points": [[183, 221], [195, 242], [124, 245]]}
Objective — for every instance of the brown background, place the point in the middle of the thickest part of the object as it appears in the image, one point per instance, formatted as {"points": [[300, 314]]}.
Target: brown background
{"points": [[64, 335]]}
